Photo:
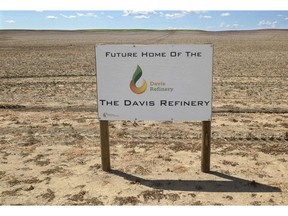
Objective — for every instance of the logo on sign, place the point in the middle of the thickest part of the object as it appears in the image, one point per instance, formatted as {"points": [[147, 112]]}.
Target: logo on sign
{"points": [[136, 76]]}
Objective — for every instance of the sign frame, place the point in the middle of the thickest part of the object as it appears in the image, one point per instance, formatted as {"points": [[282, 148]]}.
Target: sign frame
{"points": [[104, 123]]}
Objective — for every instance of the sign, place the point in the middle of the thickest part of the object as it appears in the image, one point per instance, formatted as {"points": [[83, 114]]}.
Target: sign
{"points": [[154, 82]]}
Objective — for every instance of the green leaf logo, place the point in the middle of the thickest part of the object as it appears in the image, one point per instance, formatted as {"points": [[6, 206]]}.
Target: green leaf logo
{"points": [[136, 76]]}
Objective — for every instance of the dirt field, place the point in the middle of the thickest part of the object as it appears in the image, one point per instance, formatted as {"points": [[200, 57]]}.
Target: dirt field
{"points": [[49, 131]]}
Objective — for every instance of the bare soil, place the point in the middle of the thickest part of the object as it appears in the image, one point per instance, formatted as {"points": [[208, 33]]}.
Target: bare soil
{"points": [[49, 130]]}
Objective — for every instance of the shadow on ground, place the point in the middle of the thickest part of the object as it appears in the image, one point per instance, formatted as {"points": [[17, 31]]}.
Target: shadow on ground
{"points": [[228, 184]]}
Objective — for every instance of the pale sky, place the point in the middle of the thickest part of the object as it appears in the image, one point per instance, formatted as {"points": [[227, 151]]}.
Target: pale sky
{"points": [[210, 17]]}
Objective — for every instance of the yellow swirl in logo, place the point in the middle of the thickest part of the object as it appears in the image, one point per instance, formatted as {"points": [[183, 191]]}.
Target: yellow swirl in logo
{"points": [[136, 76]]}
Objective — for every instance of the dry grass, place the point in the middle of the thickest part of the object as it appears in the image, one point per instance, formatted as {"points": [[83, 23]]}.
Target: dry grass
{"points": [[49, 141]]}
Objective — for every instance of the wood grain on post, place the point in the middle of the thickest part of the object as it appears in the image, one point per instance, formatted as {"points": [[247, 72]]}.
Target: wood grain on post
{"points": [[105, 152], [206, 146]]}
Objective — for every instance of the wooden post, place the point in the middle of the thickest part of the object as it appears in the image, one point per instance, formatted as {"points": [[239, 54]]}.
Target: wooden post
{"points": [[105, 152], [206, 143]]}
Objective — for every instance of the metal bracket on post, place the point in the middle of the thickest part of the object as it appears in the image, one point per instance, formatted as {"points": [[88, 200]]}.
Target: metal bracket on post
{"points": [[206, 146], [105, 152]]}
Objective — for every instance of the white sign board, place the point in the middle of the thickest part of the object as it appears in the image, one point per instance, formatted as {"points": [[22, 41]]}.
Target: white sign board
{"points": [[154, 82]]}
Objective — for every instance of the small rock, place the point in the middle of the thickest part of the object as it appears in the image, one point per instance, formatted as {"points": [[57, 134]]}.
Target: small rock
{"points": [[29, 188]]}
